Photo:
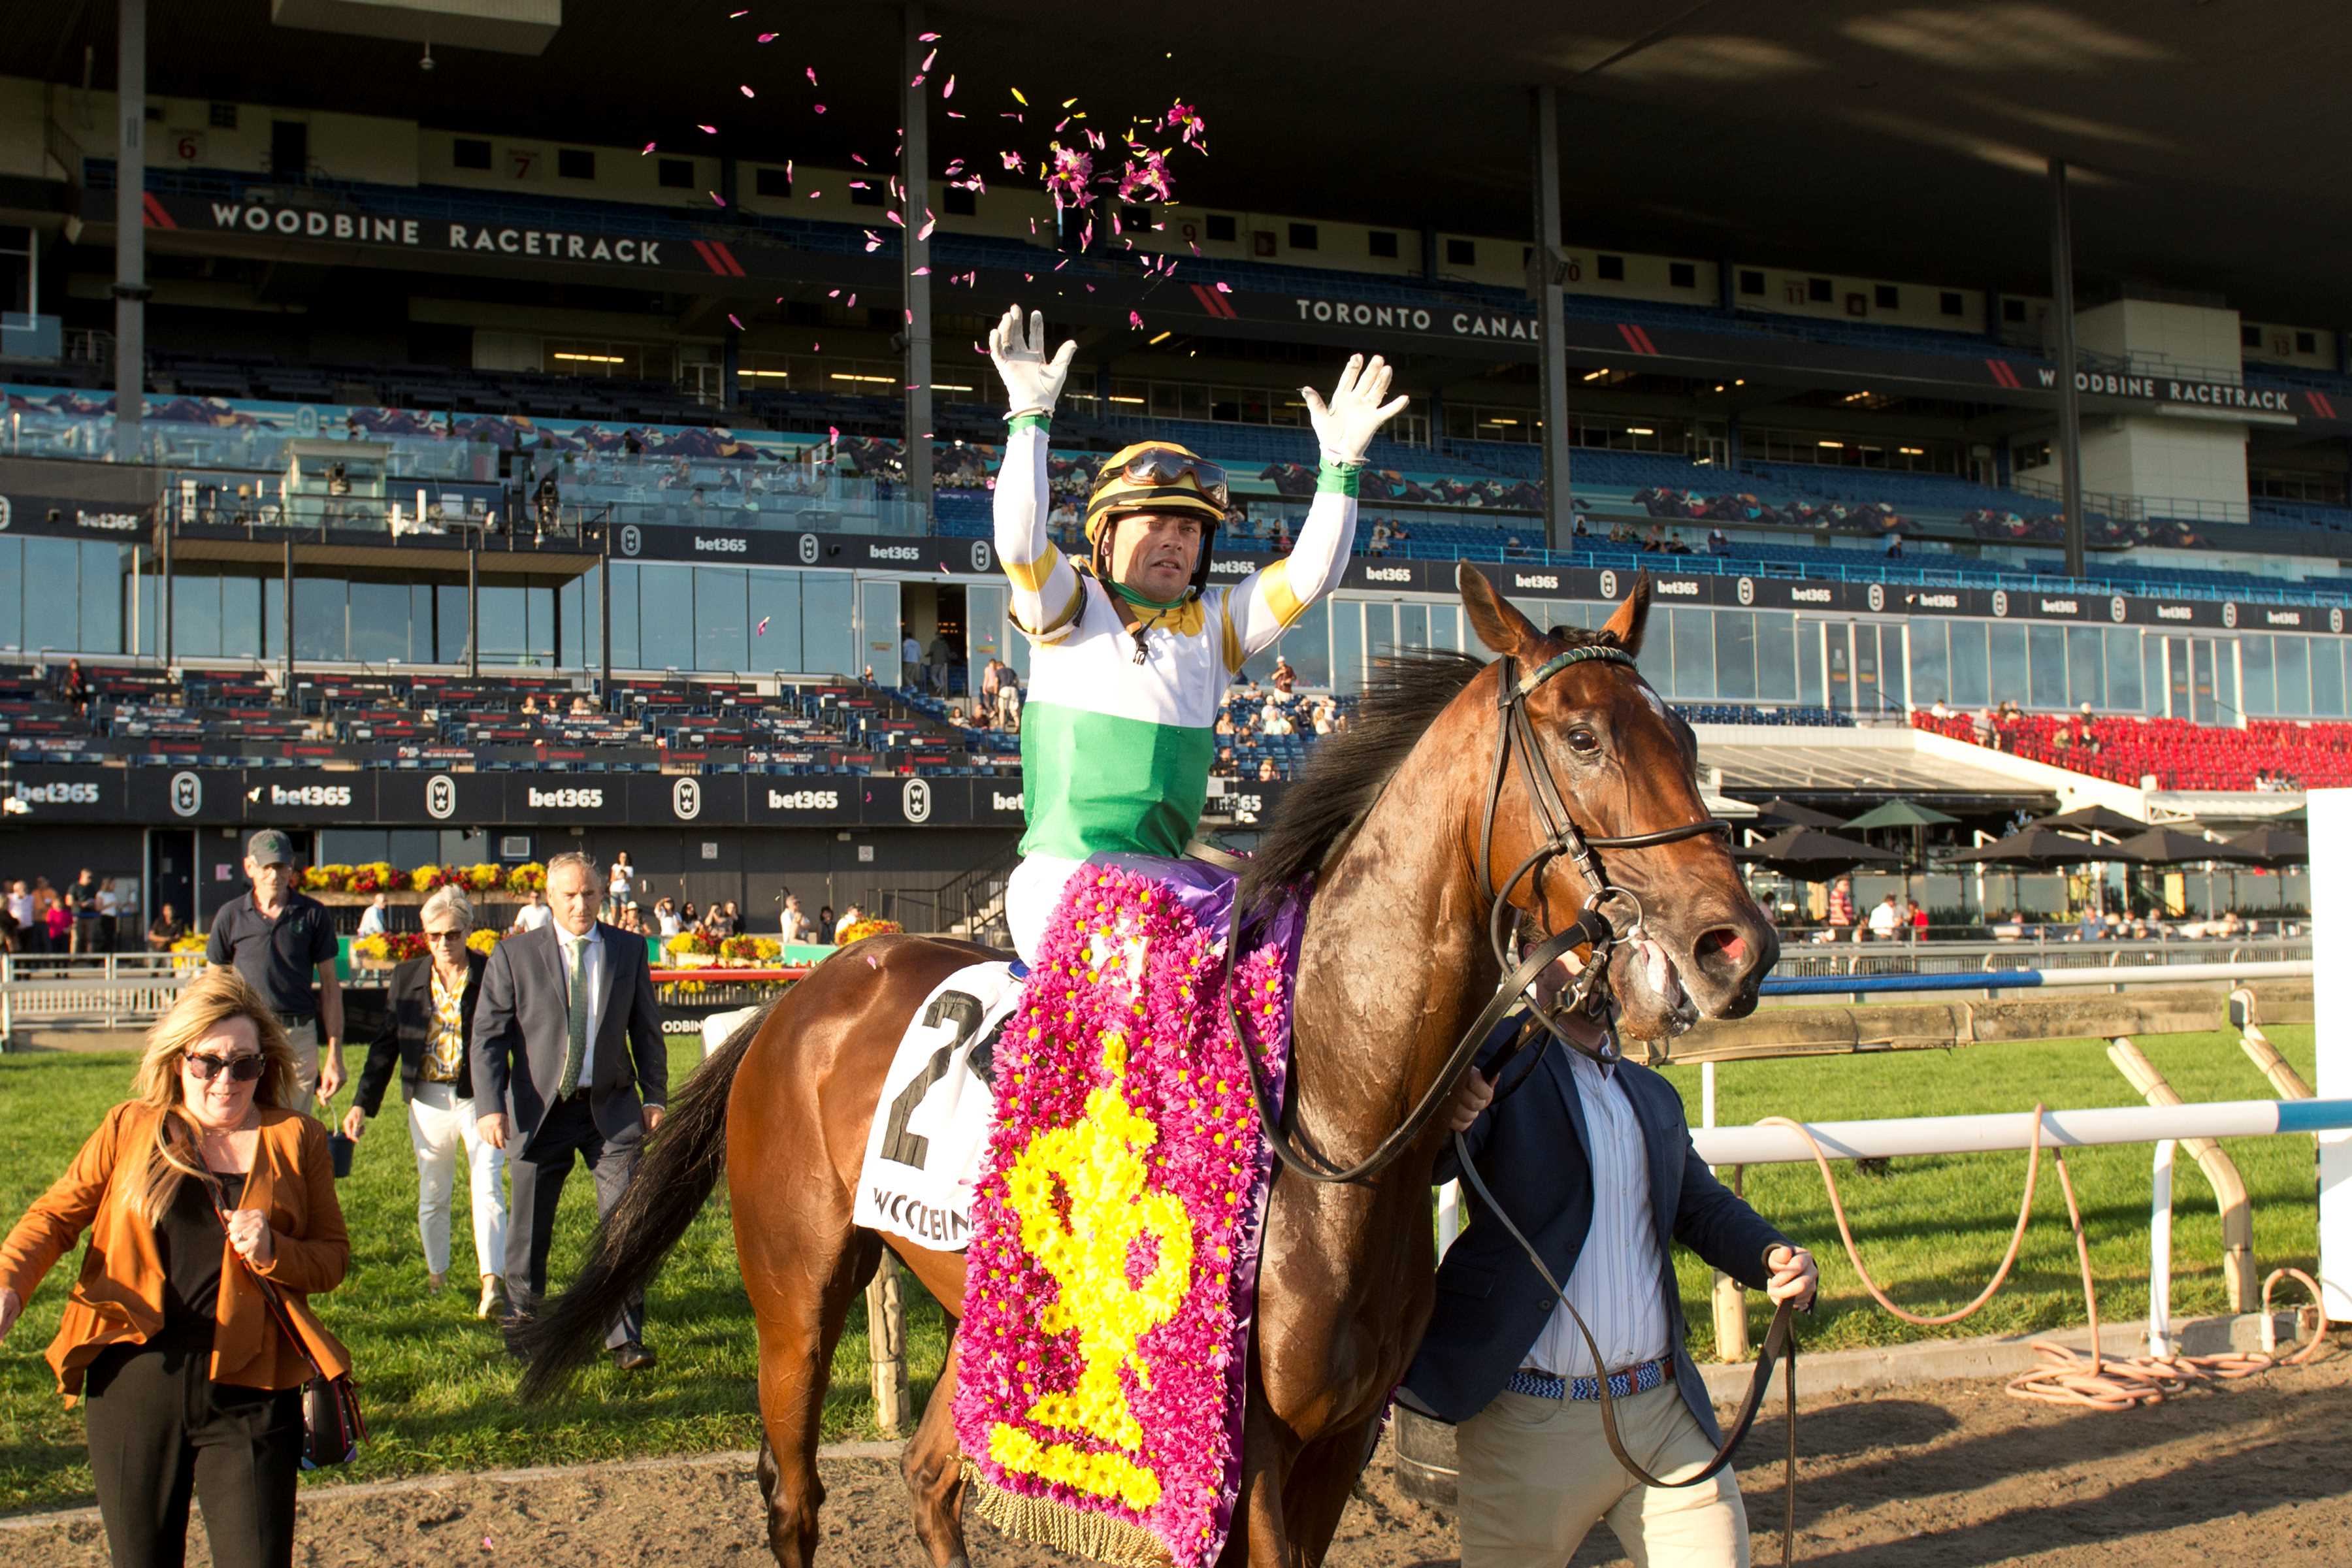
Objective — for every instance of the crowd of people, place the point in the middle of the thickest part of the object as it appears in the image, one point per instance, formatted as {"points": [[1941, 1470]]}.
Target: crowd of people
{"points": [[1276, 711], [86, 915]]}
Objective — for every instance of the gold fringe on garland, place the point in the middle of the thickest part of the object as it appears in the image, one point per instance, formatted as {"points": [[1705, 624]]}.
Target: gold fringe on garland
{"points": [[1048, 1523]]}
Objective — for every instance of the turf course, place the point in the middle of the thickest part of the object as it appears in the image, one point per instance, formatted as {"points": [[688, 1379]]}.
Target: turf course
{"points": [[438, 1389]]}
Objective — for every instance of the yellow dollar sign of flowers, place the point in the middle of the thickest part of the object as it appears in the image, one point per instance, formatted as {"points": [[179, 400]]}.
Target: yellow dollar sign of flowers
{"points": [[1100, 1163]]}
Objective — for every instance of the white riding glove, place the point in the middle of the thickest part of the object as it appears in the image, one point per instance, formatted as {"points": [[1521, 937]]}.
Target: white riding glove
{"points": [[1347, 424], [1033, 384]]}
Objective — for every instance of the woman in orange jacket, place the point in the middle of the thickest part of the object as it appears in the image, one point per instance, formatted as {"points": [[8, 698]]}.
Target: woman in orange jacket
{"points": [[191, 1191]]}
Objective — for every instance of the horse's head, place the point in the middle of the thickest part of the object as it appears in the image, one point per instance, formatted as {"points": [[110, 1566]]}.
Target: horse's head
{"points": [[1625, 764]]}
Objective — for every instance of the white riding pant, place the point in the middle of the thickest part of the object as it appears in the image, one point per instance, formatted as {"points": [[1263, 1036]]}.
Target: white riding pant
{"points": [[439, 1125], [1035, 888]]}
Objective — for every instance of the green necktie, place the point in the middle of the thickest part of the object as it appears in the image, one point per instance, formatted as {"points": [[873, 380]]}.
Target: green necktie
{"points": [[576, 1045]]}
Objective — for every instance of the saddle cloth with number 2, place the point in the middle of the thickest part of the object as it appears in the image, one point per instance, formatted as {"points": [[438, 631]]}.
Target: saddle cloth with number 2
{"points": [[930, 1130]]}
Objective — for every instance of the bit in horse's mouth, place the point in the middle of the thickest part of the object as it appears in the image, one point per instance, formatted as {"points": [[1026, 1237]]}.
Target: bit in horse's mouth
{"points": [[1648, 963]]}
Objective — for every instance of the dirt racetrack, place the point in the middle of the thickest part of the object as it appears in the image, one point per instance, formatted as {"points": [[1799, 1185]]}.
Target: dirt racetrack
{"points": [[1937, 1476]]}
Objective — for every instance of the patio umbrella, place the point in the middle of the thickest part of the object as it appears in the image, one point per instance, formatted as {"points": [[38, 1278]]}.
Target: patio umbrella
{"points": [[1901, 814], [1810, 855], [1905, 814], [2273, 845], [1788, 811], [2171, 847], [2093, 820], [2278, 846], [2038, 848]]}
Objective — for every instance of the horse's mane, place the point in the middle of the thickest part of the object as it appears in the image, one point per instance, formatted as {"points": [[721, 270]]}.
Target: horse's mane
{"points": [[1403, 695]]}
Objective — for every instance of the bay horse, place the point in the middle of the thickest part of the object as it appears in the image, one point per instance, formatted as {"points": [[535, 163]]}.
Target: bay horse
{"points": [[1388, 818]]}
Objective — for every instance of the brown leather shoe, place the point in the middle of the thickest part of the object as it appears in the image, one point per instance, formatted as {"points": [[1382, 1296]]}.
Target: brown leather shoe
{"points": [[634, 1357]]}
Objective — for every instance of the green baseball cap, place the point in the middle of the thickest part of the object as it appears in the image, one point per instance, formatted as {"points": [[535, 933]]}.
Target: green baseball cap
{"points": [[269, 847]]}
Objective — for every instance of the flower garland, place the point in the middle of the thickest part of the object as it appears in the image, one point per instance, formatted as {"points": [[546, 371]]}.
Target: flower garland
{"points": [[1113, 1242]]}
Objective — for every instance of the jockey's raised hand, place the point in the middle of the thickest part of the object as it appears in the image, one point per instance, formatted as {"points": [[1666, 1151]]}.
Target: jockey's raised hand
{"points": [[1347, 424], [1033, 384]]}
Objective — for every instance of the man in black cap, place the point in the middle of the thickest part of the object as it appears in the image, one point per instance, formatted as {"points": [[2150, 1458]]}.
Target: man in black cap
{"points": [[277, 938]]}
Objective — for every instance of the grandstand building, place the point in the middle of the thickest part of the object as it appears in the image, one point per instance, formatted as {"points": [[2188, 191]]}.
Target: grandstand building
{"points": [[443, 408]]}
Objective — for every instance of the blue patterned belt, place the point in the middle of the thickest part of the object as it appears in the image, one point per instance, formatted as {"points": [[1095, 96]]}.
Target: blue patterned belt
{"points": [[1637, 1379]]}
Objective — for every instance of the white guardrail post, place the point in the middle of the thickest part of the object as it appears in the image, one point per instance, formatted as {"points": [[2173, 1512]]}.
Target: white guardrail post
{"points": [[2331, 953]]}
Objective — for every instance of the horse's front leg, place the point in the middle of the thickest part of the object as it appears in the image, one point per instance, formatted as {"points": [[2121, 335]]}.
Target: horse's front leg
{"points": [[1261, 1537]]}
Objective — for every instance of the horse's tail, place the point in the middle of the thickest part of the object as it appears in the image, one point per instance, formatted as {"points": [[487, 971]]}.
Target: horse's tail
{"points": [[682, 1162]]}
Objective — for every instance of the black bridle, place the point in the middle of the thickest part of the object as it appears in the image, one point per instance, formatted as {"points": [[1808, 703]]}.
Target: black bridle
{"points": [[1594, 927]]}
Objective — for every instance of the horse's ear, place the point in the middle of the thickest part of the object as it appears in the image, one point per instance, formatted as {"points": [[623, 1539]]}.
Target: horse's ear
{"points": [[1496, 621], [1624, 627]]}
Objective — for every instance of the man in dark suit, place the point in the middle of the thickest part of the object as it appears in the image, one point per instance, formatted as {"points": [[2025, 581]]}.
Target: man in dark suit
{"points": [[569, 1061], [1594, 1164]]}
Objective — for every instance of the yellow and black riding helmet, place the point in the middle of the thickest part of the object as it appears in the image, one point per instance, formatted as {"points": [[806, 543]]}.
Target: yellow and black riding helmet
{"points": [[1155, 476]]}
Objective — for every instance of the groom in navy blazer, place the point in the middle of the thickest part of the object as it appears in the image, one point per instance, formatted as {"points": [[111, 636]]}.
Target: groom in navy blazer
{"points": [[1477, 1362]]}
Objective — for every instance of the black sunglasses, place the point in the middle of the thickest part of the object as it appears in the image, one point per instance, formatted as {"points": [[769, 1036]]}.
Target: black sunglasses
{"points": [[441, 936], [243, 1067]]}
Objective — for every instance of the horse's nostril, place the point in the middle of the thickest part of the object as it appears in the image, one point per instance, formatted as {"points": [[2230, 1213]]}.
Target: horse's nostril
{"points": [[1721, 946]]}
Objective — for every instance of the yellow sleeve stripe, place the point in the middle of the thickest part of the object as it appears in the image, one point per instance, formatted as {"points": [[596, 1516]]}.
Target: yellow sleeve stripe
{"points": [[1281, 601], [1235, 657], [1060, 623], [1030, 576]]}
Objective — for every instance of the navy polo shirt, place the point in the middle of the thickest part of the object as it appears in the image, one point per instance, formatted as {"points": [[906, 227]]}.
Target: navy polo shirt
{"points": [[279, 957]]}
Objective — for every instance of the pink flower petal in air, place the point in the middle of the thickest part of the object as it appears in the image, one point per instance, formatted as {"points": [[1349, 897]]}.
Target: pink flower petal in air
{"points": [[812, 75], [949, 90], [927, 37], [769, 37], [922, 272], [747, 93], [649, 147], [715, 196], [1135, 320], [1224, 288], [820, 108], [930, 223], [708, 130], [736, 320]]}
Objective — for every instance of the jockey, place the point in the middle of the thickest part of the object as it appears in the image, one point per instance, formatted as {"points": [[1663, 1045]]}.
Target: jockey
{"points": [[1131, 650]]}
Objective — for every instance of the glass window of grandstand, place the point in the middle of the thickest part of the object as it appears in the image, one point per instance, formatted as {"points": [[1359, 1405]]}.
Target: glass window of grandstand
{"points": [[68, 596], [627, 361], [2292, 678], [1779, 445]]}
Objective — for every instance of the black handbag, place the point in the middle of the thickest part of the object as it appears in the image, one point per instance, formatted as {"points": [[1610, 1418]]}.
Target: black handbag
{"points": [[332, 1426]]}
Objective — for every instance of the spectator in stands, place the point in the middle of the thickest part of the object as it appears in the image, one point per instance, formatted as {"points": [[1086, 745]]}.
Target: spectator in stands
{"points": [[533, 914], [689, 917], [81, 895], [983, 712], [726, 920], [910, 662], [1577, 529], [794, 922], [372, 921], [1980, 726], [30, 935], [428, 1034], [1008, 699], [1225, 764], [1940, 709], [622, 885], [825, 923], [1841, 915], [190, 1385], [940, 656], [58, 921], [854, 917], [109, 916], [277, 939], [1378, 544], [1886, 921], [1225, 724], [1398, 535], [1266, 771], [529, 704], [166, 929], [73, 687], [1894, 544], [1716, 544], [1285, 679], [581, 706], [665, 920], [1918, 920]]}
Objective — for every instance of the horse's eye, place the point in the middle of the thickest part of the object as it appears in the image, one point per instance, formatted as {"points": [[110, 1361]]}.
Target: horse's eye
{"points": [[1583, 741]]}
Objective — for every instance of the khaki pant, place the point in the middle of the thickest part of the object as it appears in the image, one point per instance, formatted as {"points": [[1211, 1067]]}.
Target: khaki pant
{"points": [[1537, 1474], [304, 1038]]}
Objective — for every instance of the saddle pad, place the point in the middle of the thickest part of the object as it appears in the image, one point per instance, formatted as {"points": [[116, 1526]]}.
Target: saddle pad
{"points": [[931, 1129], [1110, 1285]]}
